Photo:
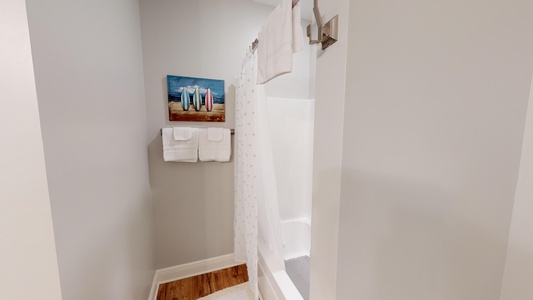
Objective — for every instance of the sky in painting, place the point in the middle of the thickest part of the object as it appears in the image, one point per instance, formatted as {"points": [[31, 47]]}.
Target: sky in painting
{"points": [[176, 84]]}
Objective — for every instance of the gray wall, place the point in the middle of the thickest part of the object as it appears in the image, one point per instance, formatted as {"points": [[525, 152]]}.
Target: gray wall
{"points": [[27, 252], [88, 68], [433, 130], [519, 263], [205, 38]]}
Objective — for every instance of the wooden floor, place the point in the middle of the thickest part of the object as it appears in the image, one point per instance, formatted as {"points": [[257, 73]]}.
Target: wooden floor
{"points": [[199, 286]]}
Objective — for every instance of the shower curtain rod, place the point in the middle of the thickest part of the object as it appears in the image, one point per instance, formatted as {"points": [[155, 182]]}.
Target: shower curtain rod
{"points": [[254, 43]]}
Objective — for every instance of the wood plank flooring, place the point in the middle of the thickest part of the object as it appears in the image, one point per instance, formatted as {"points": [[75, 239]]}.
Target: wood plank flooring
{"points": [[202, 285]]}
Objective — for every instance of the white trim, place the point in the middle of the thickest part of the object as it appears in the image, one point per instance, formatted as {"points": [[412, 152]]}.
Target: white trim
{"points": [[266, 290], [275, 284], [153, 290], [191, 269]]}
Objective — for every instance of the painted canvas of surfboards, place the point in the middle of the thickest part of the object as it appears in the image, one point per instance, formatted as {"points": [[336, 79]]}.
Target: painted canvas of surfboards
{"points": [[202, 99], [209, 100], [197, 99], [185, 99]]}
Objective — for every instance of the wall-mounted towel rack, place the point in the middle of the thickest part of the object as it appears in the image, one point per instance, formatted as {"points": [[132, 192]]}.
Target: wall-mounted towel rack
{"points": [[328, 33], [232, 131]]}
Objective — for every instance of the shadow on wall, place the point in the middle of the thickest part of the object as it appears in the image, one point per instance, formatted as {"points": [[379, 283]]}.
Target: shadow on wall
{"points": [[193, 204], [407, 240], [103, 270], [518, 289]]}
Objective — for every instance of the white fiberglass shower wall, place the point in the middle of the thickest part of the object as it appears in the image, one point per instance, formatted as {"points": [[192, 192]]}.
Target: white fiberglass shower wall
{"points": [[291, 115], [291, 124], [290, 107]]}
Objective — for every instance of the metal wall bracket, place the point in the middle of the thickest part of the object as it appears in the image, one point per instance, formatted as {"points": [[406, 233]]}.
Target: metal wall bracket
{"points": [[328, 33]]}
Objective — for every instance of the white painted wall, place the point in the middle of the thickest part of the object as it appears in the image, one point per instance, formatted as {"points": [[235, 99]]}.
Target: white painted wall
{"points": [[327, 156], [519, 264], [27, 253], [433, 126], [209, 39], [88, 68]]}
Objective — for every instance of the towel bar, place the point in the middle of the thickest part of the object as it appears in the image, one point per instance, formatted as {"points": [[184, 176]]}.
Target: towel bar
{"points": [[232, 131], [328, 33]]}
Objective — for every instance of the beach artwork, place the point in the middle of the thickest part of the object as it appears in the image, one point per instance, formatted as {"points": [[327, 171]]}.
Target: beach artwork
{"points": [[195, 99]]}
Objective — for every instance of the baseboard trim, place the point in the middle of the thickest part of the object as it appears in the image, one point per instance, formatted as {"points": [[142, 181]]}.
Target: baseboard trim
{"points": [[191, 269]]}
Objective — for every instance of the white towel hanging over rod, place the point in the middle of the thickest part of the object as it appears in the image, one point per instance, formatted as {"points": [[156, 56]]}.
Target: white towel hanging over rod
{"points": [[256, 41], [328, 33]]}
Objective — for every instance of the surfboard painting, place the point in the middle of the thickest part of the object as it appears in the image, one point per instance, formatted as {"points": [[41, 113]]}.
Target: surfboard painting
{"points": [[208, 99], [185, 100], [197, 100]]}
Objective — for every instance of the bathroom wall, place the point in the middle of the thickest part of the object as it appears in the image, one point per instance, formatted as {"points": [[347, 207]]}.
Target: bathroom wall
{"points": [[327, 157], [209, 39], [193, 202], [89, 77], [28, 254], [433, 126], [519, 264]]}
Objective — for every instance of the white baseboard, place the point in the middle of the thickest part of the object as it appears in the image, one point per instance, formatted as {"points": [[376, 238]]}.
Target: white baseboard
{"points": [[191, 269]]}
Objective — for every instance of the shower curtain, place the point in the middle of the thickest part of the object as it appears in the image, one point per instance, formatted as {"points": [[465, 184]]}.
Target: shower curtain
{"points": [[256, 214]]}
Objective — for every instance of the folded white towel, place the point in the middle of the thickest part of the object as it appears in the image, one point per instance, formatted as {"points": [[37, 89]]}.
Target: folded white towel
{"points": [[297, 33], [182, 133], [214, 151], [274, 52], [215, 134], [180, 151]]}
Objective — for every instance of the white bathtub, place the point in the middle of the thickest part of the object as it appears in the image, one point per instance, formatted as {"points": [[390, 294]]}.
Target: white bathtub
{"points": [[274, 283]]}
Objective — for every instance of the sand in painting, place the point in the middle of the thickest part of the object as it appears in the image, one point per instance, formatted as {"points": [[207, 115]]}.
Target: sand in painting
{"points": [[176, 113]]}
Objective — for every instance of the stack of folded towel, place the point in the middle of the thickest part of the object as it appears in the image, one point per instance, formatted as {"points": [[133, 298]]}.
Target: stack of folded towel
{"points": [[214, 144], [182, 144]]}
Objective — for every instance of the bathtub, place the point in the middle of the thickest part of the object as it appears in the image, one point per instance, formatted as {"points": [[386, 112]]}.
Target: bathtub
{"points": [[274, 283]]}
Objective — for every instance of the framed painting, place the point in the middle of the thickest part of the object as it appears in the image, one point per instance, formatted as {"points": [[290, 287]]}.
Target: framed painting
{"points": [[195, 99]]}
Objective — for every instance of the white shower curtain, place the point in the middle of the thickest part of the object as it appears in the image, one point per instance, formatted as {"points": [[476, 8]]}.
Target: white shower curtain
{"points": [[256, 203]]}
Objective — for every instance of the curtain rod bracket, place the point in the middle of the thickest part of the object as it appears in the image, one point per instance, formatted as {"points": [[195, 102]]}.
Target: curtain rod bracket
{"points": [[328, 33]]}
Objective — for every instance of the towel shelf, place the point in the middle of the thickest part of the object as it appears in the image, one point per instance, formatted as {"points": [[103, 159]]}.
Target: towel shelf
{"points": [[232, 131]]}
